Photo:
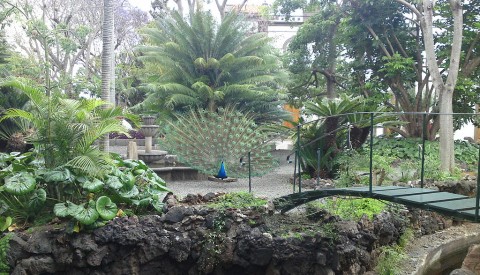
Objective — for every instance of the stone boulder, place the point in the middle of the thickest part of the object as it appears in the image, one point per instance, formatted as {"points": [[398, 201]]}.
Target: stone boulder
{"points": [[198, 240]]}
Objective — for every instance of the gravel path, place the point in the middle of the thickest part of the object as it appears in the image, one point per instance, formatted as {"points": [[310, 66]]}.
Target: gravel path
{"points": [[271, 185]]}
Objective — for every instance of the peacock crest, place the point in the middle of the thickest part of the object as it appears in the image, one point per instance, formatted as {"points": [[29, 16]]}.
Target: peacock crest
{"points": [[203, 139]]}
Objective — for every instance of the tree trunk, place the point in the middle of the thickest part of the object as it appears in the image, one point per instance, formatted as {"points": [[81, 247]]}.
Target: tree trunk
{"points": [[179, 6], [447, 154], [444, 89], [107, 56]]}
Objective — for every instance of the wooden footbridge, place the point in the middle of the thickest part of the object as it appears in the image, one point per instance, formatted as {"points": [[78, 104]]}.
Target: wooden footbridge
{"points": [[445, 203], [449, 204]]}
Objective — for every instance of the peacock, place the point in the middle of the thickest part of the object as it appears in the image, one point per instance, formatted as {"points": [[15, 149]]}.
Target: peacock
{"points": [[204, 139]]}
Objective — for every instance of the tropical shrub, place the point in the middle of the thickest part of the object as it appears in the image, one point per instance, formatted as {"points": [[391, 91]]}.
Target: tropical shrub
{"points": [[199, 63], [340, 124], [29, 188], [406, 154], [64, 131], [203, 139], [67, 174], [129, 183], [467, 153]]}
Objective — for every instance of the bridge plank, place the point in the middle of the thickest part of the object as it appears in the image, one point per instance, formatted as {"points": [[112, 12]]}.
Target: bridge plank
{"points": [[405, 192], [374, 188], [469, 212], [431, 197], [461, 204]]}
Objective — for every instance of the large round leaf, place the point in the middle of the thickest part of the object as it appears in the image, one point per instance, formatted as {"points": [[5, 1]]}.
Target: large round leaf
{"points": [[94, 185], [58, 176], [20, 184], [114, 182], [66, 209], [143, 202], [5, 222], [128, 181], [3, 207], [37, 200], [129, 193], [106, 208], [158, 205], [159, 187], [87, 215]]}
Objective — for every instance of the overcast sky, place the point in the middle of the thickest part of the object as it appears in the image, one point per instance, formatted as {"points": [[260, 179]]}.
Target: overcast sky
{"points": [[145, 4], [141, 4]]}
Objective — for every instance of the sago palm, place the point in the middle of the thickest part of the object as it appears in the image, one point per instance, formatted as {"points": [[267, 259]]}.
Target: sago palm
{"points": [[208, 65], [64, 130]]}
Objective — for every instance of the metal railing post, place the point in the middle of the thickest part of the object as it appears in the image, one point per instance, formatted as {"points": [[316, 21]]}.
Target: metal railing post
{"points": [[319, 152], [295, 171], [371, 155], [478, 185], [424, 136], [299, 158], [249, 173]]}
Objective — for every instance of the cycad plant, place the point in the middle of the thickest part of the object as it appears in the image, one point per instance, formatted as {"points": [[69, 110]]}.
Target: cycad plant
{"points": [[64, 130], [207, 65], [204, 139], [342, 124]]}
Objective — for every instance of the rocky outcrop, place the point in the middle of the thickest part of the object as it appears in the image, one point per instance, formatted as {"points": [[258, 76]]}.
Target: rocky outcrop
{"points": [[467, 187], [195, 240]]}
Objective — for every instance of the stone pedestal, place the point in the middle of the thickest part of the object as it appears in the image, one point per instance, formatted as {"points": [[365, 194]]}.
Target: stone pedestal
{"points": [[148, 144], [132, 152], [149, 130]]}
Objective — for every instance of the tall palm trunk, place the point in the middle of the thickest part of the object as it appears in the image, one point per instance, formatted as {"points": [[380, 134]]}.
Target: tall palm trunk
{"points": [[107, 57]]}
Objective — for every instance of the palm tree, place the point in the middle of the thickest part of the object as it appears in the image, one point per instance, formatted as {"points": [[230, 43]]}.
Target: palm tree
{"points": [[205, 65], [107, 59], [64, 130], [337, 117]]}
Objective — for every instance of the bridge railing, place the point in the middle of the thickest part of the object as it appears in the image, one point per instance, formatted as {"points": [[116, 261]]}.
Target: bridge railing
{"points": [[297, 179]]}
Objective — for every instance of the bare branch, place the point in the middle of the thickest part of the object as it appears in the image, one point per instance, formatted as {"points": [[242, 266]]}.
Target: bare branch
{"points": [[410, 7]]}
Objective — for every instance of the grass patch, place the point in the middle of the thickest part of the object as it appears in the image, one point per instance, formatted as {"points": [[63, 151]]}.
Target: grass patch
{"points": [[240, 200], [347, 208], [389, 261]]}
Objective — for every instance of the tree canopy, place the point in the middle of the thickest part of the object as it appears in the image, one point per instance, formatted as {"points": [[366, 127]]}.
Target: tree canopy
{"points": [[204, 64]]}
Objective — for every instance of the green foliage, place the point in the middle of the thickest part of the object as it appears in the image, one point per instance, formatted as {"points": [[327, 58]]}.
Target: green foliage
{"points": [[467, 153], [204, 139], [399, 148], [4, 247], [354, 166], [238, 200], [208, 65], [405, 154], [21, 197], [329, 231], [389, 261], [342, 125], [65, 130], [397, 65], [29, 188], [348, 208]]}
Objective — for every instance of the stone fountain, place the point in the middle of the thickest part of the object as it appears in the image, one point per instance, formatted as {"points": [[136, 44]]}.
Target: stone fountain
{"points": [[150, 130]]}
